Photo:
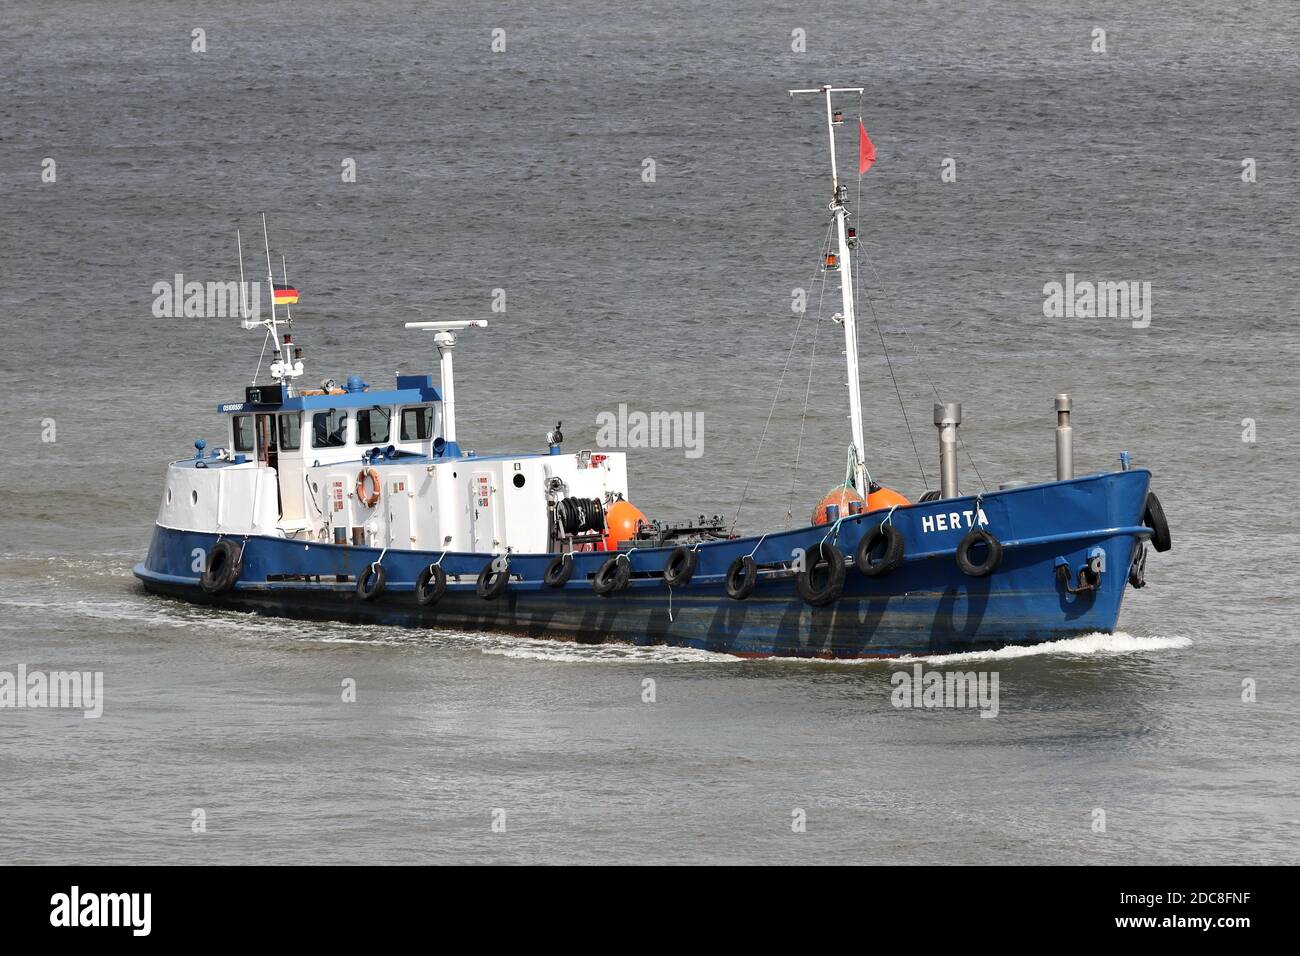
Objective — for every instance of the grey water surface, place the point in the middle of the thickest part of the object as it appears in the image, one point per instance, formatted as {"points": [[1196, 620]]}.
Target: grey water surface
{"points": [[522, 170]]}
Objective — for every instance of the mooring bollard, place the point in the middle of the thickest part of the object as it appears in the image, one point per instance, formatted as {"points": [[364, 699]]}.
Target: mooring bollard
{"points": [[946, 418], [1064, 439]]}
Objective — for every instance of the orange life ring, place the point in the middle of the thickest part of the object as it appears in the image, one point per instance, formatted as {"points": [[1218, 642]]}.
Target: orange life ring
{"points": [[372, 499]]}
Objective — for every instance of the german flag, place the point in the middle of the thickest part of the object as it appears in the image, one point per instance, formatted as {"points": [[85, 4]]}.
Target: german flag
{"points": [[285, 294]]}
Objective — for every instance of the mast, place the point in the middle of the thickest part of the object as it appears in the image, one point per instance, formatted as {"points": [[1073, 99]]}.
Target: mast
{"points": [[288, 312], [270, 284], [846, 316], [445, 339], [284, 367]]}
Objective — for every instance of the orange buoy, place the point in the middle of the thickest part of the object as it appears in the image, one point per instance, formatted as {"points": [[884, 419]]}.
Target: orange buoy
{"points": [[839, 497], [622, 520], [883, 498]]}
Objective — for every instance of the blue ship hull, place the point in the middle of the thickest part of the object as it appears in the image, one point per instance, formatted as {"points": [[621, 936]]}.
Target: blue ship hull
{"points": [[926, 606]]}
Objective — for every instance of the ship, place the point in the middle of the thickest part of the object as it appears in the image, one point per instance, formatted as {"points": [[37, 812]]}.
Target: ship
{"points": [[356, 503]]}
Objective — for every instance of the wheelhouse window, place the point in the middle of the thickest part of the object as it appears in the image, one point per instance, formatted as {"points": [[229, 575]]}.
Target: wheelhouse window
{"points": [[372, 426], [417, 423], [243, 432], [329, 429], [291, 432]]}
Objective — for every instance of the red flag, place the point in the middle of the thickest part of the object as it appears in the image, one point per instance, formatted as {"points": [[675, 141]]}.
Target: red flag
{"points": [[866, 149]]}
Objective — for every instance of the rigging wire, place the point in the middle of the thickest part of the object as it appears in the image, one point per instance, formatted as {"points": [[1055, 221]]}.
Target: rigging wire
{"points": [[925, 480], [902, 407], [808, 389], [775, 397], [261, 356], [812, 364], [917, 354]]}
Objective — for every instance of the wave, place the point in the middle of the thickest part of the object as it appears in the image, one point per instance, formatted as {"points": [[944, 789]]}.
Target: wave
{"points": [[568, 652], [1097, 643]]}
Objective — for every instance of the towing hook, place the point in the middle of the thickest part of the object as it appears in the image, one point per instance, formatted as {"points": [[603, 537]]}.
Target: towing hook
{"points": [[1089, 579]]}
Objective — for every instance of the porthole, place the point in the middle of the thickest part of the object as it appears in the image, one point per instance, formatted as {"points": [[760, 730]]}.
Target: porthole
{"points": [[169, 496], [519, 481], [194, 497]]}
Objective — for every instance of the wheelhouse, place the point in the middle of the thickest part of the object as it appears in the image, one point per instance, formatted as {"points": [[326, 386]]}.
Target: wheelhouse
{"points": [[331, 424]]}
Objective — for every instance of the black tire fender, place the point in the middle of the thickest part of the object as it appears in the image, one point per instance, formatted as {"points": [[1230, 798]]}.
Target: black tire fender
{"points": [[613, 576], [680, 566], [821, 554], [741, 578], [491, 582], [883, 533], [371, 581], [992, 559], [558, 571], [1137, 575], [430, 586], [1153, 516], [222, 568]]}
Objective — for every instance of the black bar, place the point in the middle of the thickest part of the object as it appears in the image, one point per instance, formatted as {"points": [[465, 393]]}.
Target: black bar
{"points": [[1057, 905]]}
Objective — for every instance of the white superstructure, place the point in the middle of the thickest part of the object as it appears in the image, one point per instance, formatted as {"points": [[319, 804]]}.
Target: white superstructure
{"points": [[378, 468]]}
